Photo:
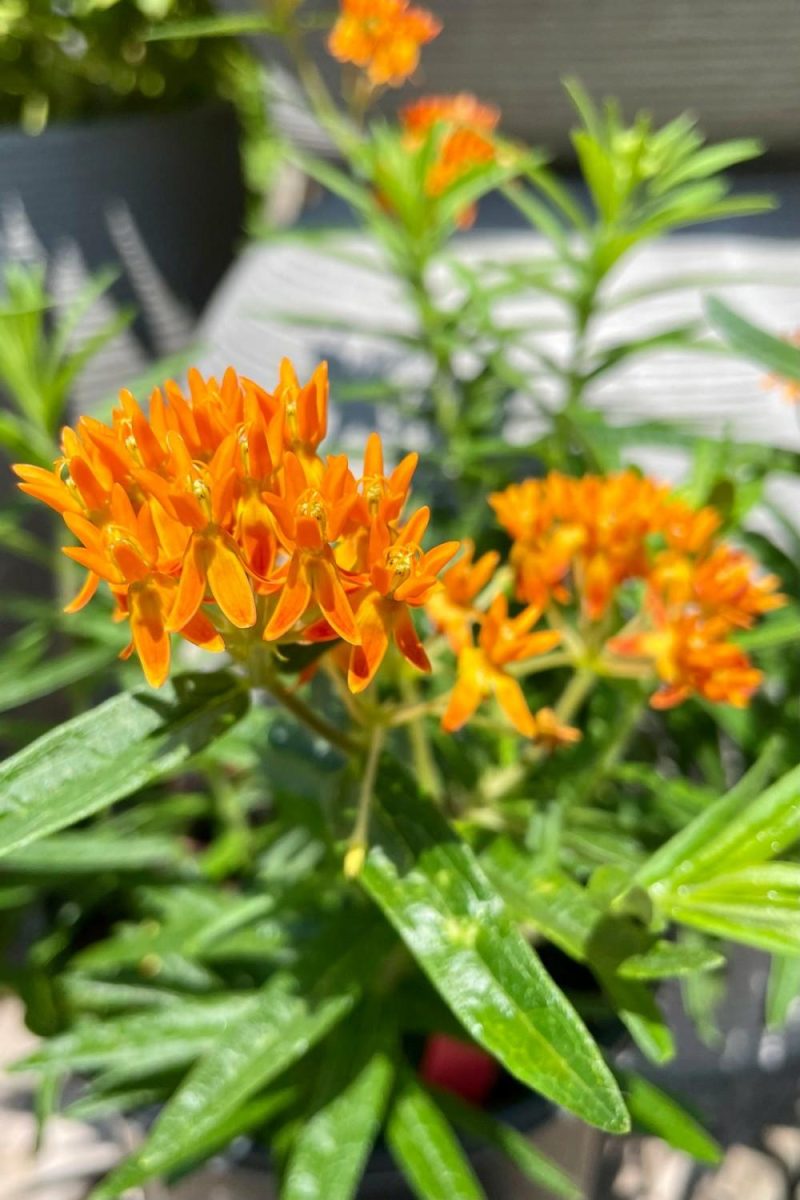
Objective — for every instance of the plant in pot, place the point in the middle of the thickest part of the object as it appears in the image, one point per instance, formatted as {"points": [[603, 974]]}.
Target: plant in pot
{"points": [[480, 773], [106, 136]]}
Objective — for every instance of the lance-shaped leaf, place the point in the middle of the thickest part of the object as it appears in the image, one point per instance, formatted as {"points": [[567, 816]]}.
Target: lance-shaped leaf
{"points": [[431, 887], [656, 1112], [278, 1028], [756, 344], [757, 905], [113, 750], [514, 1145], [426, 1149], [333, 1144], [692, 850]]}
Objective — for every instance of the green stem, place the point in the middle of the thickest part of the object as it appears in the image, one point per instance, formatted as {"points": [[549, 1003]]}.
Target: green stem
{"points": [[320, 98], [629, 721], [427, 772], [500, 784], [313, 720], [359, 839], [443, 390]]}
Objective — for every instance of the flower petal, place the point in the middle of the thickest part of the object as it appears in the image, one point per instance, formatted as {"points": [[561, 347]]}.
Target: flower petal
{"points": [[365, 659], [293, 601], [229, 583]]}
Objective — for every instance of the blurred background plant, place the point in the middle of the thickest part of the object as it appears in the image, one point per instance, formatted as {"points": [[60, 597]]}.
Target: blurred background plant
{"points": [[89, 59]]}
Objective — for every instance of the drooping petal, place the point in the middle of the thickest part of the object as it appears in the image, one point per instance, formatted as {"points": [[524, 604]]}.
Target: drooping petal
{"points": [[467, 694], [149, 633], [332, 599], [513, 703], [293, 601], [228, 581], [407, 639], [366, 658], [84, 595], [191, 587]]}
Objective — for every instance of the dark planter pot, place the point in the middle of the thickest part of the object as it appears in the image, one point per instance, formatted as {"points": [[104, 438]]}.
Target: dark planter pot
{"points": [[161, 197], [159, 194]]}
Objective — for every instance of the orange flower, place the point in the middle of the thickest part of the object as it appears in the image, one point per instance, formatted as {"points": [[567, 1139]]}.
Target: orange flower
{"points": [[383, 37], [450, 606], [463, 111], [724, 584], [582, 540], [482, 669], [467, 128], [553, 733], [309, 519], [214, 513], [692, 656], [401, 577]]}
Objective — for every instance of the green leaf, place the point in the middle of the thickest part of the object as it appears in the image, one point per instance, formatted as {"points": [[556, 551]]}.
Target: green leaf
{"points": [[101, 756], [333, 1144], [165, 1036], [666, 960], [636, 1007], [753, 343], [89, 853], [277, 1028], [656, 1112], [779, 629], [758, 920], [783, 989], [432, 889], [566, 914], [519, 1149], [225, 25], [425, 1148], [679, 858]]}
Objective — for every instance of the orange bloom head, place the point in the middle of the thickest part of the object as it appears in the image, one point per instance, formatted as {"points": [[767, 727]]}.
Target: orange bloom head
{"points": [[382, 37], [464, 128], [582, 541], [692, 655], [401, 576], [212, 516]]}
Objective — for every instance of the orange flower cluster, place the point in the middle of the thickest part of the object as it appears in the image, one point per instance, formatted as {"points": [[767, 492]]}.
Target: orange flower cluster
{"points": [[467, 139], [382, 37], [215, 513], [580, 540]]}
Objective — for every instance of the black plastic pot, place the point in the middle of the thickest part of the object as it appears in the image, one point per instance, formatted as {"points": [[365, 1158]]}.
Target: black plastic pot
{"points": [[160, 194]]}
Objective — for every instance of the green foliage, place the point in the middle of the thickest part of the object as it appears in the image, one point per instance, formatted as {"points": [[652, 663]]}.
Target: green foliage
{"points": [[93, 57], [39, 358], [435, 894], [425, 1147], [110, 752]]}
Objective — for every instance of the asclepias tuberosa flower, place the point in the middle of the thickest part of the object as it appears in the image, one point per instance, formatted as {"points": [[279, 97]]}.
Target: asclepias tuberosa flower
{"points": [[214, 517]]}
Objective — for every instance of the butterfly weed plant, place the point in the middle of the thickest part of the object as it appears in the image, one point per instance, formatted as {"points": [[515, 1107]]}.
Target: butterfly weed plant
{"points": [[482, 761]]}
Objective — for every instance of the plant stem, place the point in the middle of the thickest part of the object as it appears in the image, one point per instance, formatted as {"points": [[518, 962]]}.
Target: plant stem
{"points": [[425, 767], [359, 839], [500, 783], [315, 722]]}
